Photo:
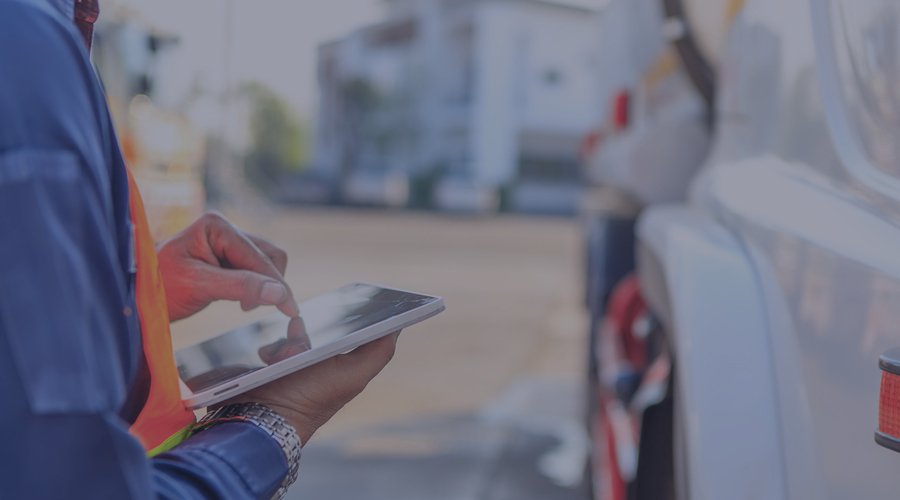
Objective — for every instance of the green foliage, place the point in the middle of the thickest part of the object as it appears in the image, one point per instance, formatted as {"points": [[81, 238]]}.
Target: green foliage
{"points": [[279, 141]]}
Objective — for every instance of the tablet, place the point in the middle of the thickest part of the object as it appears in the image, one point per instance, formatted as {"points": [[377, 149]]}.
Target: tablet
{"points": [[334, 323]]}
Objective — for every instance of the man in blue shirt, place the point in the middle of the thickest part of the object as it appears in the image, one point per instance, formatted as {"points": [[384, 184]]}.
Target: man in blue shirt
{"points": [[70, 347]]}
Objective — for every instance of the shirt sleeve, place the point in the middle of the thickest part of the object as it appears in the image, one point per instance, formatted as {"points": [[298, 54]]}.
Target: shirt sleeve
{"points": [[66, 350]]}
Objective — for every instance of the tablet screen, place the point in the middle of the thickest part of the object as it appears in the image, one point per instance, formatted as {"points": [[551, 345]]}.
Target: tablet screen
{"points": [[326, 319]]}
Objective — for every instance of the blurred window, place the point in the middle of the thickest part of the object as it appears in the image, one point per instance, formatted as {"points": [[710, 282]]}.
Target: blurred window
{"points": [[860, 52], [533, 168], [461, 65]]}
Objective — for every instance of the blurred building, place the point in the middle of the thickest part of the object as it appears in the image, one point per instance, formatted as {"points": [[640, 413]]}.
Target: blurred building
{"points": [[162, 149], [465, 102]]}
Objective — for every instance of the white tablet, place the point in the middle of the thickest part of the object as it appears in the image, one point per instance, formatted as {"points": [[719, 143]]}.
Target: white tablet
{"points": [[337, 322]]}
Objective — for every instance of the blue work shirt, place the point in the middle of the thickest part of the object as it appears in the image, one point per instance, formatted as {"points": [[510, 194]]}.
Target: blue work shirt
{"points": [[70, 349]]}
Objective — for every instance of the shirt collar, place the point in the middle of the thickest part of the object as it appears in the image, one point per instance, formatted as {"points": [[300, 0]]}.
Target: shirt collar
{"points": [[86, 14], [82, 13]]}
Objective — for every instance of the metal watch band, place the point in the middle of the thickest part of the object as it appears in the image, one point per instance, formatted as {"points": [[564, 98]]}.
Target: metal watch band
{"points": [[268, 420]]}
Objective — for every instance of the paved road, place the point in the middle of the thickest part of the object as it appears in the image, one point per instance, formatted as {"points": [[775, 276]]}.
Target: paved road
{"points": [[480, 403], [526, 446]]}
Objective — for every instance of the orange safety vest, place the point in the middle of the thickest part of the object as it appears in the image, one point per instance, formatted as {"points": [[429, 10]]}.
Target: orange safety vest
{"points": [[164, 421]]}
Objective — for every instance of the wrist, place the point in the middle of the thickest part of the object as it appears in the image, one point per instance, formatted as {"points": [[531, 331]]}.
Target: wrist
{"points": [[269, 422], [305, 424]]}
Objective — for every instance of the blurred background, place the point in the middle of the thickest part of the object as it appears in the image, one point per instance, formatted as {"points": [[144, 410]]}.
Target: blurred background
{"points": [[665, 230], [446, 146]]}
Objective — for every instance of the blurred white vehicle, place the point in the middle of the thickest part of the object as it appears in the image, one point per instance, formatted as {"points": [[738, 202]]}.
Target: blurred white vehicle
{"points": [[768, 297], [461, 195], [376, 189]]}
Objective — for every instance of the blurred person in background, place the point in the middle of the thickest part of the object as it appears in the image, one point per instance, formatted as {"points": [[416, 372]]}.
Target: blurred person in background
{"points": [[91, 401]]}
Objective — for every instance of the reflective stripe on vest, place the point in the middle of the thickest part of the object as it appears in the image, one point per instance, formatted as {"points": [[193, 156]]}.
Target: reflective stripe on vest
{"points": [[164, 421]]}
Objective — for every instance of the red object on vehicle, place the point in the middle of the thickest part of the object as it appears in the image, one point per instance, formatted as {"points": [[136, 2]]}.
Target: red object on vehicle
{"points": [[888, 434], [621, 351], [889, 407], [626, 305], [621, 110], [590, 143], [613, 486]]}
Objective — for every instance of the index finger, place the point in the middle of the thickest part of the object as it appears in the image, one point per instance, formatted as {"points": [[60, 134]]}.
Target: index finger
{"points": [[297, 329], [296, 342], [239, 252], [278, 256], [231, 247]]}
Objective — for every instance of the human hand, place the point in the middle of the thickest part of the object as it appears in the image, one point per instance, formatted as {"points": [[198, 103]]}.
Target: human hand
{"points": [[213, 260], [310, 397]]}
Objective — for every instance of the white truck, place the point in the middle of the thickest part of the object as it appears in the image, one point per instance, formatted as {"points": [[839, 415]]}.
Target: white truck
{"points": [[748, 366]]}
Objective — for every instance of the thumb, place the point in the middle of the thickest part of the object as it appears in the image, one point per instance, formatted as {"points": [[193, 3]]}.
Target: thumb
{"points": [[369, 359], [251, 289]]}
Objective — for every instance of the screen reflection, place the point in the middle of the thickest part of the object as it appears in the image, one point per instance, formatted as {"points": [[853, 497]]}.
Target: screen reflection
{"points": [[325, 319]]}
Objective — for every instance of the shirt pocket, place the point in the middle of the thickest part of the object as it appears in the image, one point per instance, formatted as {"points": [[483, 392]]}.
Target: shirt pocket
{"points": [[60, 304]]}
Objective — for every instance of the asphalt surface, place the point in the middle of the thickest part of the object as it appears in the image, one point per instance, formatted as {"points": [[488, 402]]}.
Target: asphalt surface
{"points": [[500, 454], [480, 403]]}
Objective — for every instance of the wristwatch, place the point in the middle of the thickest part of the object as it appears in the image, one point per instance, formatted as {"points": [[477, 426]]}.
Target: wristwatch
{"points": [[272, 423]]}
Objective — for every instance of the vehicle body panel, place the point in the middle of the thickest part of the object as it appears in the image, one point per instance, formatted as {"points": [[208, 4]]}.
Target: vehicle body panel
{"points": [[805, 194], [832, 308], [696, 270], [651, 142]]}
